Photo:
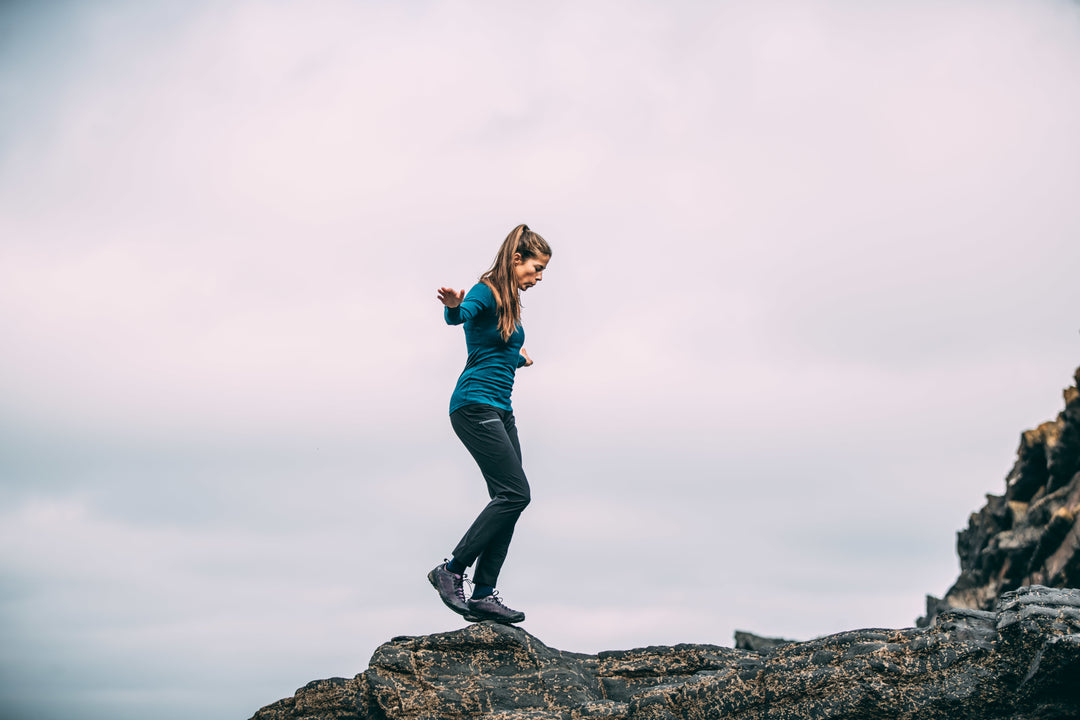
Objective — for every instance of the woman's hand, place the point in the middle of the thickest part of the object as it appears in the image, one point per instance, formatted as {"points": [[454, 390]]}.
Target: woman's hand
{"points": [[451, 298], [528, 360]]}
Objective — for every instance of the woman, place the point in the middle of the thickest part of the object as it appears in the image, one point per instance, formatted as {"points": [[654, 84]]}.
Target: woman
{"points": [[481, 415]]}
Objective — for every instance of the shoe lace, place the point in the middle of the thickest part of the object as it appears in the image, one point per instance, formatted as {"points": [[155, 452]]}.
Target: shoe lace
{"points": [[459, 587], [494, 597]]}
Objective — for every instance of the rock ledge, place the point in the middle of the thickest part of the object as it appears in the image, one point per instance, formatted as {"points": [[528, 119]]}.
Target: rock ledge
{"points": [[1020, 661]]}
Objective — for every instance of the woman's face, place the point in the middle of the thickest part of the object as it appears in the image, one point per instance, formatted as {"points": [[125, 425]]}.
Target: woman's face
{"points": [[529, 271]]}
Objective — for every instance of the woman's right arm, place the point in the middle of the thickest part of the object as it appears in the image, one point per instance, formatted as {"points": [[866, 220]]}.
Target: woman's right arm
{"points": [[452, 300], [461, 306]]}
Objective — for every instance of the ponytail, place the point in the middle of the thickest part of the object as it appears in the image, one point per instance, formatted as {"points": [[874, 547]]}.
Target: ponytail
{"points": [[500, 278]]}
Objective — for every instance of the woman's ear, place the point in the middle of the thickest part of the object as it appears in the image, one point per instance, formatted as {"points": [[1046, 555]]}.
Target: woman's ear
{"points": [[517, 258]]}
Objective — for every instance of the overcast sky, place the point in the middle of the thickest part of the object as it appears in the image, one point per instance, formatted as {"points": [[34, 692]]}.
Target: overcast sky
{"points": [[815, 269]]}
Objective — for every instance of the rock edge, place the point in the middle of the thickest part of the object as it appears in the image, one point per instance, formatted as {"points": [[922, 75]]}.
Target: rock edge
{"points": [[1020, 661]]}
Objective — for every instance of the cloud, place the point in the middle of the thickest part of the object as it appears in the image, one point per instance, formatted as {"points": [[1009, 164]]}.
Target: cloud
{"points": [[812, 275]]}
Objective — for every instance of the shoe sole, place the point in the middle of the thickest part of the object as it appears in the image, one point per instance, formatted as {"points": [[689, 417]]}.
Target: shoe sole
{"points": [[501, 620]]}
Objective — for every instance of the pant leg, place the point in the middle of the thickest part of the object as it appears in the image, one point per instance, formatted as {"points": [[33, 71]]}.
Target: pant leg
{"points": [[490, 436], [491, 558]]}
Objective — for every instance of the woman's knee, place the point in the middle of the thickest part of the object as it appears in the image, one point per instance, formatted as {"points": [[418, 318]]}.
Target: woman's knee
{"points": [[515, 499], [524, 493]]}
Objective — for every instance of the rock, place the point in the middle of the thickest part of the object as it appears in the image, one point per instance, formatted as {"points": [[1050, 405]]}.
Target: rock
{"points": [[333, 699], [757, 643], [1031, 534], [1020, 661]]}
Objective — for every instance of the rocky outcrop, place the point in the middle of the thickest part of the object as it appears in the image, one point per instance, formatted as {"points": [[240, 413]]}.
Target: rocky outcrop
{"points": [[1031, 534], [1003, 644], [1018, 662]]}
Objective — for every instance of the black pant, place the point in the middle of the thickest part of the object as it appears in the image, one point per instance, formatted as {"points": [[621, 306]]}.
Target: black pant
{"points": [[490, 436]]}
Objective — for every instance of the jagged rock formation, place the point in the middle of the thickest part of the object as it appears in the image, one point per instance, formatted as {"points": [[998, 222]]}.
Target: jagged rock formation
{"points": [[1031, 534], [1020, 662]]}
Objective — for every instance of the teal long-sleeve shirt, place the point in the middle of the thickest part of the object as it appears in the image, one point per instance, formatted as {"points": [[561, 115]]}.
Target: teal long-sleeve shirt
{"points": [[488, 377]]}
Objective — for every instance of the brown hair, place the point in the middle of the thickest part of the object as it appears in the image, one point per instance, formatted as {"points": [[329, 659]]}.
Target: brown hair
{"points": [[500, 278]]}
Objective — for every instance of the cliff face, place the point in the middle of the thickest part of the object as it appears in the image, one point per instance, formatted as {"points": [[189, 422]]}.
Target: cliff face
{"points": [[1000, 645], [1031, 534], [1019, 662]]}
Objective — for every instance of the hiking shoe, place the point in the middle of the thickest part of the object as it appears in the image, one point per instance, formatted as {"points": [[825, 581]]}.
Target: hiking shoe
{"points": [[450, 587], [491, 608]]}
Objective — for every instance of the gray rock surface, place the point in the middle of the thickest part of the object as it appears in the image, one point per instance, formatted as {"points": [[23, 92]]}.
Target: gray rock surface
{"points": [[1020, 661]]}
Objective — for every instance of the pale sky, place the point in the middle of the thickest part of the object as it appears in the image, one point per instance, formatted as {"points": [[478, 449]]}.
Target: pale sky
{"points": [[815, 269]]}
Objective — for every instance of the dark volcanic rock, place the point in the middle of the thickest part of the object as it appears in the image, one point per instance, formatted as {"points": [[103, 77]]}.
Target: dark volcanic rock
{"points": [[757, 643], [1031, 534], [1020, 662]]}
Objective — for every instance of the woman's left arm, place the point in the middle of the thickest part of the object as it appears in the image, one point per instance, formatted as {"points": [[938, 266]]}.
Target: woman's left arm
{"points": [[524, 360]]}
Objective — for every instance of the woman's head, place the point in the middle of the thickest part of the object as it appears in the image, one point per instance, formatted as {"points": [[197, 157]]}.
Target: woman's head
{"points": [[518, 266]]}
